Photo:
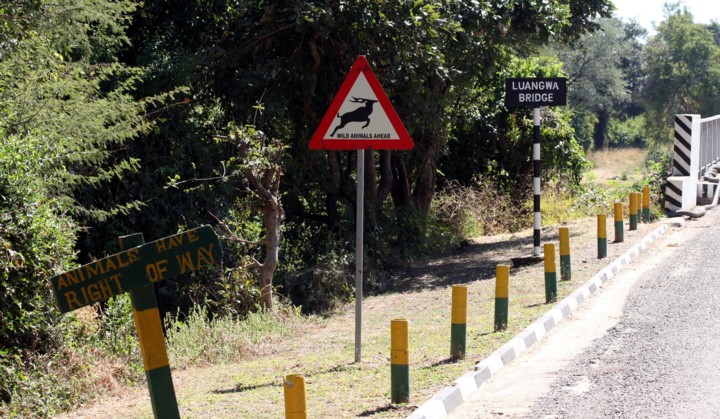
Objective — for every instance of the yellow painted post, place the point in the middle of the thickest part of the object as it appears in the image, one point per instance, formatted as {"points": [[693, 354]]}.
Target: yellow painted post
{"points": [[502, 296], [619, 228], [550, 274], [565, 268], [633, 211], [602, 235], [295, 398], [458, 322], [646, 204], [152, 343], [399, 361]]}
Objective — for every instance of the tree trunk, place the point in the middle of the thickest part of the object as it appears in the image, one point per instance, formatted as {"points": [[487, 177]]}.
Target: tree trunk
{"points": [[386, 177], [600, 132], [400, 191], [333, 191], [272, 217], [371, 187], [426, 179]]}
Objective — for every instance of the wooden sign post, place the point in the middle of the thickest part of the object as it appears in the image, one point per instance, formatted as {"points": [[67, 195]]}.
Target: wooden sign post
{"points": [[135, 269]]}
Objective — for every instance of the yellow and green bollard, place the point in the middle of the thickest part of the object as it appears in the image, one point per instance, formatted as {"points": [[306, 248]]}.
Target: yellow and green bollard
{"points": [[619, 228], [502, 294], [565, 269], [458, 322], [633, 211], [152, 343], [646, 204], [399, 362], [602, 235], [550, 274]]}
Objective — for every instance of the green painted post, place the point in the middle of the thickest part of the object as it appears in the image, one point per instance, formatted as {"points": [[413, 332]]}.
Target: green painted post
{"points": [[399, 362], [152, 343], [602, 235], [646, 204], [458, 322], [619, 228], [550, 274], [565, 268], [502, 296]]}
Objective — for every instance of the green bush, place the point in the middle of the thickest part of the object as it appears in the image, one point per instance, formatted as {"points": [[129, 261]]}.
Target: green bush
{"points": [[36, 241], [628, 133]]}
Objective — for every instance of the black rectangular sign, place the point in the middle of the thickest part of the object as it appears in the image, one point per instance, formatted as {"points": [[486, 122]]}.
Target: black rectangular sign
{"points": [[535, 92]]}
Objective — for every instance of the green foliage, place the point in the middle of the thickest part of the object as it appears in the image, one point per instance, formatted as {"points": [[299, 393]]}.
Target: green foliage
{"points": [[36, 240], [97, 353], [658, 162], [499, 145], [602, 67], [683, 73], [628, 133], [116, 333]]}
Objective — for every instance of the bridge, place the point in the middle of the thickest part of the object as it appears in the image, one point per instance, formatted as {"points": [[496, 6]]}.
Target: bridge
{"points": [[696, 150]]}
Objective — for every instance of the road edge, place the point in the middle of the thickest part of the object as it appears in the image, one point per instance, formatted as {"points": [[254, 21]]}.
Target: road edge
{"points": [[450, 398]]}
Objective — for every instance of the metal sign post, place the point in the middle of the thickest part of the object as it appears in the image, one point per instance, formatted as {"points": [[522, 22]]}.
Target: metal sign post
{"points": [[536, 181], [359, 246], [535, 92], [360, 117]]}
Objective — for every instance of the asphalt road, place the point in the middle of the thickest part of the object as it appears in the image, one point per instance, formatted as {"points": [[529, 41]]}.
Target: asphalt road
{"points": [[647, 346]]}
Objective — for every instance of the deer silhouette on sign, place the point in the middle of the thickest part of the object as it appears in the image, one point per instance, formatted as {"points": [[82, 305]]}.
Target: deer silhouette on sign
{"points": [[361, 114]]}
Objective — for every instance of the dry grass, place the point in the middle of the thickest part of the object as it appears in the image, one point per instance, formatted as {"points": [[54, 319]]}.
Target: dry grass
{"points": [[617, 164], [322, 349]]}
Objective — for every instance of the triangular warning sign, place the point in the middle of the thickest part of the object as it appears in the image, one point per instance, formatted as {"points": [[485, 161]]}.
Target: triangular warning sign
{"points": [[361, 116]]}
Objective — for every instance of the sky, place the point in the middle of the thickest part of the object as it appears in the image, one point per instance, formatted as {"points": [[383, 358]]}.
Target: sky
{"points": [[647, 12]]}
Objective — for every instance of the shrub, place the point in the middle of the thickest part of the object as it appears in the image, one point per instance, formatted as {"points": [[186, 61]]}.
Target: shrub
{"points": [[481, 209]]}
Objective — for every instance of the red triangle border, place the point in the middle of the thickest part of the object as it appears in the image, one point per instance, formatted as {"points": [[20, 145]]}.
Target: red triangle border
{"points": [[319, 142]]}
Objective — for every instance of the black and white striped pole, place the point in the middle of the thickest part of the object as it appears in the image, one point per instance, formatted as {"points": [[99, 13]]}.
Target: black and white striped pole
{"points": [[536, 92], [536, 181]]}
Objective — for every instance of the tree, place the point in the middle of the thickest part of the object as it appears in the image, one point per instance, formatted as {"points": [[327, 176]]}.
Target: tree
{"points": [[292, 56], [65, 108], [597, 65], [682, 62], [260, 167]]}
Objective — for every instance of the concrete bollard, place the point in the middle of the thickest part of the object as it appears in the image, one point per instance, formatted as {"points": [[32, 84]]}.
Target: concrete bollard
{"points": [[646, 204], [602, 235], [550, 274], [619, 228], [399, 362], [633, 211], [565, 268], [295, 400], [458, 322], [502, 296]]}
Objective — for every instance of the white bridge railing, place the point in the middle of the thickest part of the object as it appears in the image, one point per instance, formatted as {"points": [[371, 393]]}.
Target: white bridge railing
{"points": [[696, 149]]}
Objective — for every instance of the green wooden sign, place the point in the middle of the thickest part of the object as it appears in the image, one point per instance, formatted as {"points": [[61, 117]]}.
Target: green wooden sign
{"points": [[136, 267]]}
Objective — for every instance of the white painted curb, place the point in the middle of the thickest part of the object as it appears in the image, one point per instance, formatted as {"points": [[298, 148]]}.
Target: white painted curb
{"points": [[448, 399]]}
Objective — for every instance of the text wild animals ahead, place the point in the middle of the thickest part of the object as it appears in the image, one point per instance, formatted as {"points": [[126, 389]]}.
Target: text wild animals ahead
{"points": [[361, 114]]}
